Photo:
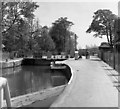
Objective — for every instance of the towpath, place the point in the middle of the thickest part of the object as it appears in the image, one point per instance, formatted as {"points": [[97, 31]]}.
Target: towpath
{"points": [[93, 85]]}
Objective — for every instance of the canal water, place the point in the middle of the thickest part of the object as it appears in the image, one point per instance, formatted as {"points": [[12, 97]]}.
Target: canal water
{"points": [[27, 79]]}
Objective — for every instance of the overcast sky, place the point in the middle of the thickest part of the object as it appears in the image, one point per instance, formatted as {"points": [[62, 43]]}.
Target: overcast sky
{"points": [[80, 13]]}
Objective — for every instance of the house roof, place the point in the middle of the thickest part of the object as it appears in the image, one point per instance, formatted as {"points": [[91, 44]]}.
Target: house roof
{"points": [[104, 45]]}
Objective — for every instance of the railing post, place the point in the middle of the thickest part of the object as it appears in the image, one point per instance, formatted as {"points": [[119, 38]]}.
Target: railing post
{"points": [[4, 90], [114, 51], [1, 97]]}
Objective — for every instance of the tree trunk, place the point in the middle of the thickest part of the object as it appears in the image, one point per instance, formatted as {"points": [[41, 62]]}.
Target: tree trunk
{"points": [[107, 36], [110, 34], [111, 42]]}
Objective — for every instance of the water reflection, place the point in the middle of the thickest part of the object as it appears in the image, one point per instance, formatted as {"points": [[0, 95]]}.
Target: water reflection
{"points": [[28, 79]]}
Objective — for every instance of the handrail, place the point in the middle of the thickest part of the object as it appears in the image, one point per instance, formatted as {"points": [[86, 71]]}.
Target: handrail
{"points": [[4, 90]]}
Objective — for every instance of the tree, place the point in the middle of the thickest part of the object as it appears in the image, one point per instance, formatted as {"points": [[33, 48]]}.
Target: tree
{"points": [[15, 25], [45, 42], [59, 32], [34, 33], [13, 12], [103, 24], [117, 30], [16, 37], [72, 46]]}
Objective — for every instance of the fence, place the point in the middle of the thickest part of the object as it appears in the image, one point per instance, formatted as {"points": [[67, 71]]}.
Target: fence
{"points": [[111, 58]]}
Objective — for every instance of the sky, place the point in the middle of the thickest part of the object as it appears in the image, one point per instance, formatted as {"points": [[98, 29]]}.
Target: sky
{"points": [[80, 13]]}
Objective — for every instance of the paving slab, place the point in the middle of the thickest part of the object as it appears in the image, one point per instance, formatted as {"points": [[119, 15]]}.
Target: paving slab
{"points": [[90, 87]]}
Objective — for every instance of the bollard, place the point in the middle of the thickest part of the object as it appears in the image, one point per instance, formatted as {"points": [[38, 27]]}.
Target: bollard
{"points": [[1, 97], [4, 90]]}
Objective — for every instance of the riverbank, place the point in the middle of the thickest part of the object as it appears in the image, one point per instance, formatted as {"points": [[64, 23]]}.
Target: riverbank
{"points": [[37, 99], [41, 98], [11, 63]]}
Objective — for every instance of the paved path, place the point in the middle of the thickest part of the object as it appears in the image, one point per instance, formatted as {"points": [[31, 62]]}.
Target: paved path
{"points": [[91, 86]]}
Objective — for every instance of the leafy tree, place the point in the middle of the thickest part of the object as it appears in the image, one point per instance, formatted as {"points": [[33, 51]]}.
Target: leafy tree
{"points": [[72, 46], [34, 33], [59, 32], [16, 37], [71, 43], [45, 42], [13, 12], [117, 30], [103, 24], [15, 25]]}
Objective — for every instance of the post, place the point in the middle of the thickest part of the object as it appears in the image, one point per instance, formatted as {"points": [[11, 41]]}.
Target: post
{"points": [[0, 38], [114, 51], [4, 90], [75, 42], [119, 9], [118, 57], [1, 89], [76, 52], [1, 98]]}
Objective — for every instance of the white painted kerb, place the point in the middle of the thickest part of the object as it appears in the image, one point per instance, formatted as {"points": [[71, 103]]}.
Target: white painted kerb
{"points": [[4, 88]]}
